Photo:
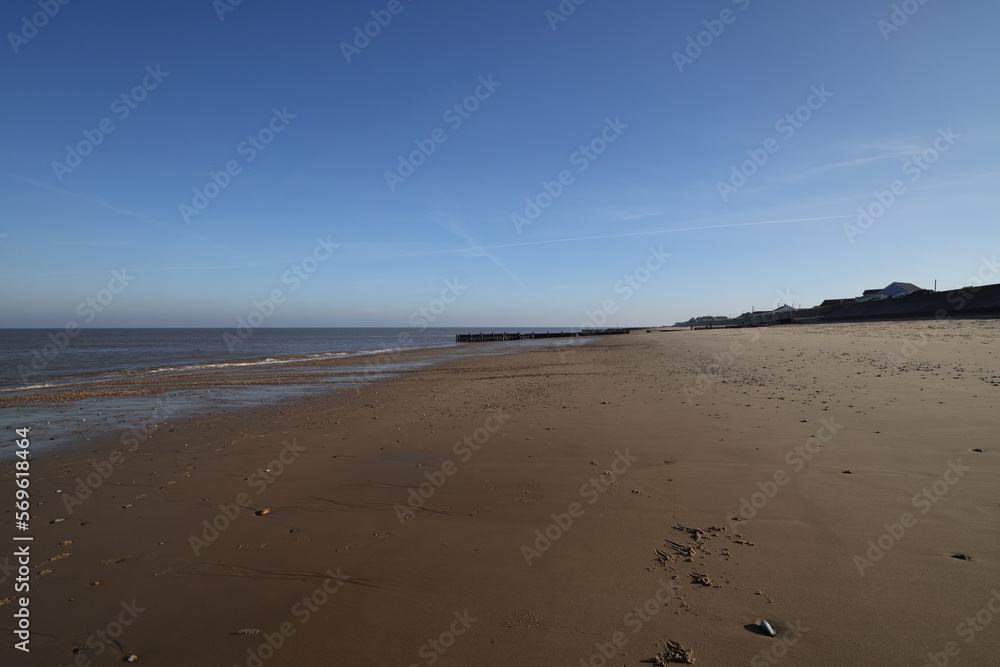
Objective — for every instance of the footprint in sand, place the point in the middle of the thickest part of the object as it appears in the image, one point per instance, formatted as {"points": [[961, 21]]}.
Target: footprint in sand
{"points": [[44, 571], [674, 653], [700, 578]]}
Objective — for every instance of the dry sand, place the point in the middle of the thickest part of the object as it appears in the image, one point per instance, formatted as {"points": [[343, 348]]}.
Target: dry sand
{"points": [[633, 453]]}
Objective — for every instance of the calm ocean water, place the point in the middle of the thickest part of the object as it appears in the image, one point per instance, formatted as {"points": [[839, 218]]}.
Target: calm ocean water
{"points": [[268, 366], [35, 358]]}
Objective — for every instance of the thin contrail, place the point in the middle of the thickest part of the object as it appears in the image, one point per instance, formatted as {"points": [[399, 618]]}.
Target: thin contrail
{"points": [[456, 228], [616, 236]]}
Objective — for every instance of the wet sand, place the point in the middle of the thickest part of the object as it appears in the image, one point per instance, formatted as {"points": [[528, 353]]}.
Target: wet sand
{"points": [[591, 504]]}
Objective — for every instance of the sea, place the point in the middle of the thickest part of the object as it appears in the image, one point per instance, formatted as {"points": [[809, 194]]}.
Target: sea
{"points": [[41, 358], [273, 364]]}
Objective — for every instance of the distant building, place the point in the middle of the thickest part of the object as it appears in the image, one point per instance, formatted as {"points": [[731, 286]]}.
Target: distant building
{"points": [[898, 289], [836, 302], [703, 320], [870, 295], [784, 309], [708, 319], [889, 291]]}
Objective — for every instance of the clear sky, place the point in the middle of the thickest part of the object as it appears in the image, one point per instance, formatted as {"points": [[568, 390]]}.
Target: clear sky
{"points": [[655, 138]]}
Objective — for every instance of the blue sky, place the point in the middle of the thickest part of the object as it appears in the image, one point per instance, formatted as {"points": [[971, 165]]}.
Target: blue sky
{"points": [[869, 96]]}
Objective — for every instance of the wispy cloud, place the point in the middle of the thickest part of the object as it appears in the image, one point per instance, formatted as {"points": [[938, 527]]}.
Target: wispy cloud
{"points": [[141, 269], [92, 200], [446, 220], [220, 267], [857, 154], [91, 244], [482, 249], [632, 214], [101, 202], [963, 182], [848, 164], [888, 146]]}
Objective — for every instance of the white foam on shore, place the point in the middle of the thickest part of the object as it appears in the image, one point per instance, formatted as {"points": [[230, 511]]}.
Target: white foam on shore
{"points": [[268, 361], [219, 365]]}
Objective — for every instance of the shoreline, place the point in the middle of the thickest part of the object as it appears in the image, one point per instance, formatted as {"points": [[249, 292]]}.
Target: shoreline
{"points": [[77, 413], [567, 501]]}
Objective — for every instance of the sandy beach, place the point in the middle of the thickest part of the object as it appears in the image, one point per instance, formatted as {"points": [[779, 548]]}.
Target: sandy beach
{"points": [[593, 504]]}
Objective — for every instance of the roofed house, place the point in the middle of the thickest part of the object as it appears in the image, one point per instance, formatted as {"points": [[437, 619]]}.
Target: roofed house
{"points": [[898, 289], [889, 291]]}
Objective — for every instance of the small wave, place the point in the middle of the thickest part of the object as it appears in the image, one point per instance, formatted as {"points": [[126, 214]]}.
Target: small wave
{"points": [[95, 377], [267, 361], [29, 387], [134, 373]]}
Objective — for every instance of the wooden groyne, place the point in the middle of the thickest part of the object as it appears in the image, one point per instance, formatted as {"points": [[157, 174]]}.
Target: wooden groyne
{"points": [[534, 335]]}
